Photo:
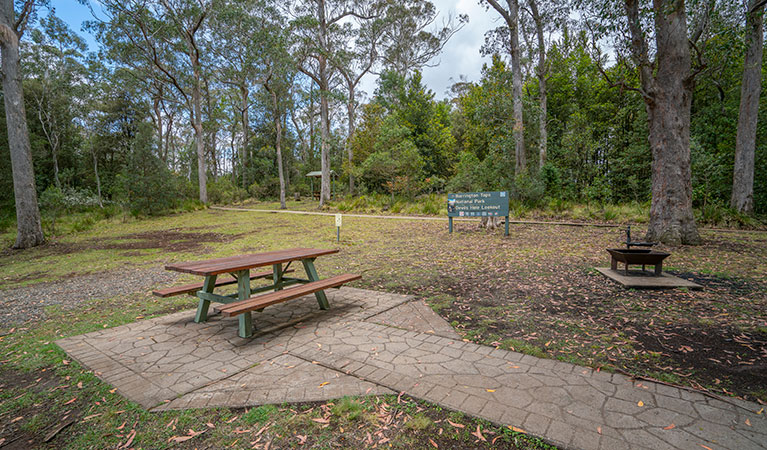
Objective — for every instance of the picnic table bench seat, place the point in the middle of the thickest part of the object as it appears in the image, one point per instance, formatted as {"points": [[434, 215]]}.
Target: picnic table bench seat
{"points": [[262, 301], [192, 288]]}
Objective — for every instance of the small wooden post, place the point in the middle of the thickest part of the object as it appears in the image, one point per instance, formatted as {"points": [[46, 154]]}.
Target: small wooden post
{"points": [[450, 224], [507, 225]]}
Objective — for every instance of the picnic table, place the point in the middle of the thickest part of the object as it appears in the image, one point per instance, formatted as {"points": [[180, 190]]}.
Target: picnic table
{"points": [[237, 270]]}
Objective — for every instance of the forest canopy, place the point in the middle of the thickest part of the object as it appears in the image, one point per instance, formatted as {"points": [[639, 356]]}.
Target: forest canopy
{"points": [[221, 100]]}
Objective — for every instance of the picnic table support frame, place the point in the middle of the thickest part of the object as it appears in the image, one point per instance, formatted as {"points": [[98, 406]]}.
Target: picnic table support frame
{"points": [[277, 276], [243, 292], [450, 224], [202, 307], [311, 272], [507, 225]]}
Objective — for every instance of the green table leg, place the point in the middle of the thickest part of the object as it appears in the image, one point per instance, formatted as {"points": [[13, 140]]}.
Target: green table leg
{"points": [[277, 276], [243, 292], [311, 272], [202, 307]]}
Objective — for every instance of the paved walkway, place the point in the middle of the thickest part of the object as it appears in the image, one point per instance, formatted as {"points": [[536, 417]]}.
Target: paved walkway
{"points": [[374, 343]]}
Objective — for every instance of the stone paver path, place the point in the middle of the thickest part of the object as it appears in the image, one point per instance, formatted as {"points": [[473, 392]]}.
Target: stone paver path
{"points": [[375, 343]]}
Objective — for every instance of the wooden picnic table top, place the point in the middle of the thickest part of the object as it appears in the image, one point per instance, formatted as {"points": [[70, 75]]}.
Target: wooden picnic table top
{"points": [[231, 264]]}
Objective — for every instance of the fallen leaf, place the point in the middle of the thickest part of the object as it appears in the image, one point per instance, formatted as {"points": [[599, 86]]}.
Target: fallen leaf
{"points": [[640, 403], [670, 427], [457, 425], [518, 430], [478, 434], [760, 411], [131, 436], [433, 443], [210, 425], [80, 385], [65, 362], [17, 419], [321, 420], [324, 383], [599, 430], [490, 390], [71, 401], [707, 448], [748, 422]]}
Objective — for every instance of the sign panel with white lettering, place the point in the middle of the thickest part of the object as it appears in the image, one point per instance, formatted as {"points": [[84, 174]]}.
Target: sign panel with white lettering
{"points": [[478, 204]]}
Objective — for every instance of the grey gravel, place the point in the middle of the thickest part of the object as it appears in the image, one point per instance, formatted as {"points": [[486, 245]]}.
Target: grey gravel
{"points": [[20, 305]]}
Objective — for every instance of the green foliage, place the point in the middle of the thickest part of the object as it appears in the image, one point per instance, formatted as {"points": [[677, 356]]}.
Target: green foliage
{"points": [[223, 191]]}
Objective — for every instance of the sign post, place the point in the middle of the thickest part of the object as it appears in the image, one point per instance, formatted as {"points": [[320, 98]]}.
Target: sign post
{"points": [[338, 227], [478, 204]]}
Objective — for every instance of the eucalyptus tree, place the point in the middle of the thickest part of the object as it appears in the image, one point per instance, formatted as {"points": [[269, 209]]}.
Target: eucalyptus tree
{"points": [[12, 27], [323, 31], [745, 145], [278, 82], [510, 15], [412, 37], [545, 16], [659, 41], [54, 64], [238, 28], [379, 41], [165, 34]]}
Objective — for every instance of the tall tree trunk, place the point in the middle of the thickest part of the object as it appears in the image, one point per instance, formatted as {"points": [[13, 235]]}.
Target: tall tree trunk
{"points": [[516, 87], [29, 229], [158, 123], [350, 108], [541, 72], [199, 138], [96, 173], [324, 113], [511, 16], [743, 174], [278, 147], [245, 127], [668, 99]]}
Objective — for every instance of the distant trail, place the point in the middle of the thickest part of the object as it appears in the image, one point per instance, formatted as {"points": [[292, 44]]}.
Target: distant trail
{"points": [[444, 219], [522, 222]]}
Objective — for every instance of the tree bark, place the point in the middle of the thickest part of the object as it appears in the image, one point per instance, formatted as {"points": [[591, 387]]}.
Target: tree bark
{"points": [[350, 107], [324, 83], [29, 229], [96, 173], [244, 115], [668, 98], [541, 72], [511, 16], [199, 138], [742, 198], [278, 144]]}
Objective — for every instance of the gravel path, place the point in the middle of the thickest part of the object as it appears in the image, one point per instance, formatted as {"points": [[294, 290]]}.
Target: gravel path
{"points": [[27, 303]]}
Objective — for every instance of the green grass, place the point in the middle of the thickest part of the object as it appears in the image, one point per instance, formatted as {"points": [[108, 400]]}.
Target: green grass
{"points": [[457, 274]]}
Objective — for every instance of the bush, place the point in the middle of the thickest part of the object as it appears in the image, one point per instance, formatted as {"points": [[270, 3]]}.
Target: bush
{"points": [[223, 191]]}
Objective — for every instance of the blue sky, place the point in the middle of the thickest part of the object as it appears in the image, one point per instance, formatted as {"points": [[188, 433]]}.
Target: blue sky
{"points": [[460, 56]]}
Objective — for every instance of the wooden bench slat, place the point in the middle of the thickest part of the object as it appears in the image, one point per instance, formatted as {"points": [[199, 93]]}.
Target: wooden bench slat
{"points": [[194, 287], [264, 300]]}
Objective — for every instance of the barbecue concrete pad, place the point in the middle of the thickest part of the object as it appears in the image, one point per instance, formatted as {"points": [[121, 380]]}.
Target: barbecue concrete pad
{"points": [[364, 345], [636, 279]]}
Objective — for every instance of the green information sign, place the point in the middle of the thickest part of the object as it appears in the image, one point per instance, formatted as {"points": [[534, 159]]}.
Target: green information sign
{"points": [[478, 204]]}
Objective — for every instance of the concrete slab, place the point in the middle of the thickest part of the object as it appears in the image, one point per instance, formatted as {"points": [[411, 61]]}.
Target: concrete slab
{"points": [[303, 354], [636, 279]]}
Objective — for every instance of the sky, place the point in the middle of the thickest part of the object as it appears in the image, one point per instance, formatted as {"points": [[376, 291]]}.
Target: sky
{"points": [[460, 57]]}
